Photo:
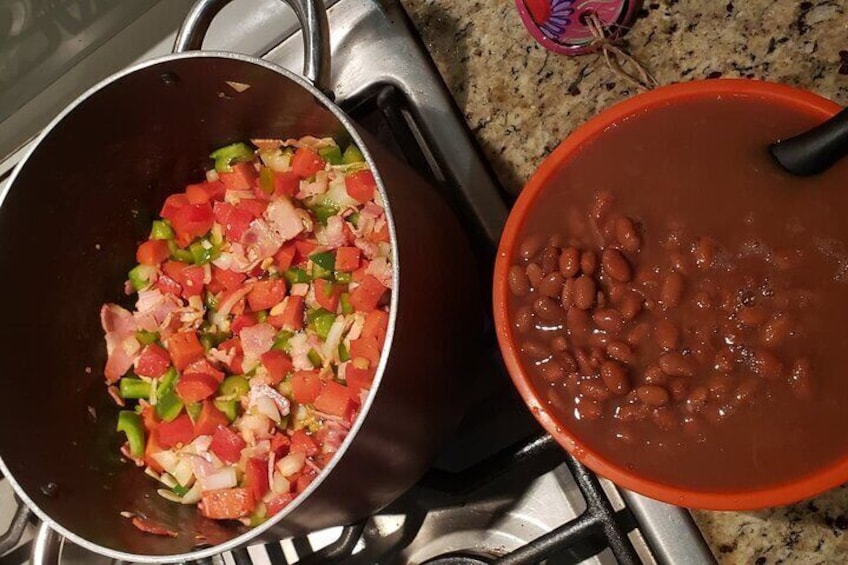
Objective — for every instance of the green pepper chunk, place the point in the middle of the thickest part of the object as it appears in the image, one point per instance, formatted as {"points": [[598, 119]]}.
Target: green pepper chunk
{"points": [[261, 316], [229, 154], [296, 275], [168, 404], [324, 211], [332, 154], [179, 254], [228, 407], [314, 358], [203, 252], [161, 230], [344, 354], [326, 259], [180, 490], [193, 410], [139, 276], [354, 219], [319, 272], [281, 340], [145, 337], [167, 382], [344, 300], [130, 423], [235, 385], [343, 278], [266, 180], [207, 340], [134, 388], [320, 321], [352, 154]]}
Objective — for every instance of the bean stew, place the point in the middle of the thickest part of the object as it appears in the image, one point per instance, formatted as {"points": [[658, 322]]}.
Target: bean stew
{"points": [[679, 301]]}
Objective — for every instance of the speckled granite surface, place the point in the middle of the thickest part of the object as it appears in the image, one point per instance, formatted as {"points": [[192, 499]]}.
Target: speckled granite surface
{"points": [[520, 101]]}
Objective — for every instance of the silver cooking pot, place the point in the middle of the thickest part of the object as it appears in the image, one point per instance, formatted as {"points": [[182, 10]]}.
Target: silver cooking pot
{"points": [[78, 204]]}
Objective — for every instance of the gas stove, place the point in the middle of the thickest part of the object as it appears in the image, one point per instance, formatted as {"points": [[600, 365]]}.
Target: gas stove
{"points": [[501, 491]]}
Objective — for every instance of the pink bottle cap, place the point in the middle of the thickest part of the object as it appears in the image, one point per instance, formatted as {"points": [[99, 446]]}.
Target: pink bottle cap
{"points": [[559, 25]]}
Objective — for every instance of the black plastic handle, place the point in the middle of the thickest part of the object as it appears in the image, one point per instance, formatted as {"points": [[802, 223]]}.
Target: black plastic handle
{"points": [[816, 150]]}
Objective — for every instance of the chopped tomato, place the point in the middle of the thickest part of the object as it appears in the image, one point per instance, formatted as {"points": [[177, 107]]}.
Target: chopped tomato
{"points": [[361, 272], [167, 285], [233, 345], [243, 321], [334, 399], [179, 430], [277, 503], [202, 365], [360, 185], [280, 444], [285, 256], [286, 183], [256, 476], [327, 294], [194, 387], [376, 325], [266, 294], [227, 503], [153, 361], [227, 279], [253, 206], [306, 162], [292, 316], [306, 386], [365, 348], [189, 277], [205, 191], [209, 419], [173, 203], [305, 479], [381, 234], [358, 379], [242, 177], [303, 442], [227, 445], [184, 348], [191, 221], [152, 252], [367, 295], [277, 363], [347, 259], [304, 249], [235, 221]]}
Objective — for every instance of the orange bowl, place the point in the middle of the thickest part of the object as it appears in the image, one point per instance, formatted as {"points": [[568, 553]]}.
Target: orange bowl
{"points": [[811, 484]]}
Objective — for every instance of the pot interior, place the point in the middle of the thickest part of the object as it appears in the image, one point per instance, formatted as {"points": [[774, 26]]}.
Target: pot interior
{"points": [[69, 227]]}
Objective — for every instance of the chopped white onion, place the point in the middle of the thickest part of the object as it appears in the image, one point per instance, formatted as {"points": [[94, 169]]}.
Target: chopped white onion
{"points": [[183, 472], [212, 175], [291, 463], [169, 495], [167, 460], [267, 407], [167, 480], [281, 484], [222, 478], [194, 495]]}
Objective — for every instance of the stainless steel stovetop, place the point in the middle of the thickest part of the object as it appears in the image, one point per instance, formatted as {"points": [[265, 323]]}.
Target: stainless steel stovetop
{"points": [[493, 490]]}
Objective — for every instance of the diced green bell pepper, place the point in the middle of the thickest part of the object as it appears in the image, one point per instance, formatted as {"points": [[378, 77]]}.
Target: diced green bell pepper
{"points": [[168, 404], [193, 410], [324, 210], [343, 278], [320, 321], [161, 230], [261, 316], [326, 259], [319, 272], [352, 154], [281, 340], [354, 219], [314, 358], [344, 354], [203, 252], [229, 154], [228, 407], [344, 300], [235, 385], [296, 275], [139, 276], [180, 490], [179, 254], [134, 388], [130, 423], [266, 180], [331, 153], [145, 337]]}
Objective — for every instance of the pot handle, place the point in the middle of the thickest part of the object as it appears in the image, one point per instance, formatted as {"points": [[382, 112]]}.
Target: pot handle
{"points": [[311, 14]]}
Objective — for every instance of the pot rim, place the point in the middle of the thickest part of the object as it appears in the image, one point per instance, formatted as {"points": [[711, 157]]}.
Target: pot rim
{"points": [[815, 482], [351, 130]]}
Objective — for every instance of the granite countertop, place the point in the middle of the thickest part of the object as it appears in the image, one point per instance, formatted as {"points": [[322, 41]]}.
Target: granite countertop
{"points": [[520, 101]]}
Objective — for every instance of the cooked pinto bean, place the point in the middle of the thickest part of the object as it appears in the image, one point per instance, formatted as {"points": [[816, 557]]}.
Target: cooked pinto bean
{"points": [[569, 262], [614, 376], [519, 283], [588, 262], [583, 292], [616, 266]]}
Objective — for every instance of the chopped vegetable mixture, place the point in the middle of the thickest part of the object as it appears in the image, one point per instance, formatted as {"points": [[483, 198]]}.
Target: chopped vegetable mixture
{"points": [[260, 315]]}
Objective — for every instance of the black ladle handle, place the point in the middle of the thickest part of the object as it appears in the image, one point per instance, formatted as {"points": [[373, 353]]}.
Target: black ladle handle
{"points": [[816, 150]]}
